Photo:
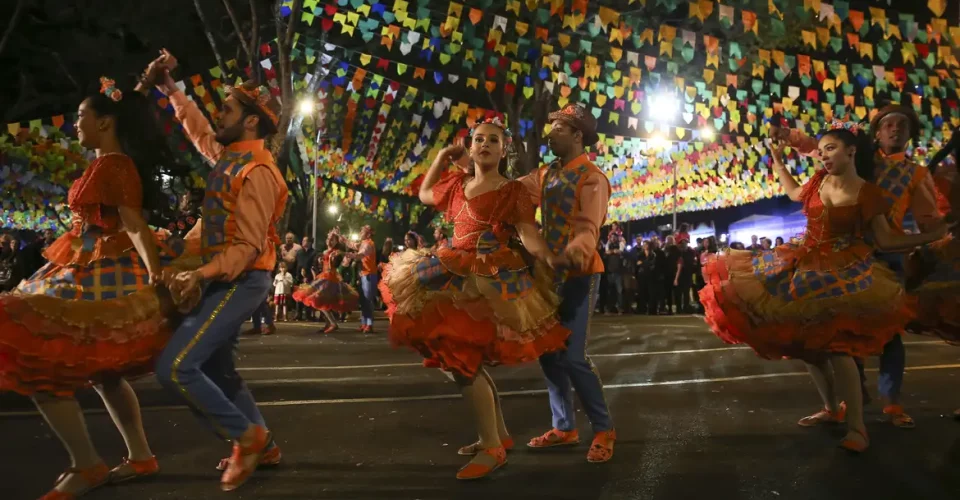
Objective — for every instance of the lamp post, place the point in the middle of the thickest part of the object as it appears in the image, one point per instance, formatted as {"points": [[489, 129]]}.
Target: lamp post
{"points": [[307, 109]]}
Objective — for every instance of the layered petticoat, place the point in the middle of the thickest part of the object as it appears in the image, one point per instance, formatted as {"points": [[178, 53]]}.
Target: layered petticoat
{"points": [[328, 293], [462, 309], [91, 317], [804, 301]]}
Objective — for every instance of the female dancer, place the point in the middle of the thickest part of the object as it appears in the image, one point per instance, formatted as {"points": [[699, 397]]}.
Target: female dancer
{"points": [[92, 315], [827, 299], [329, 293], [475, 301]]}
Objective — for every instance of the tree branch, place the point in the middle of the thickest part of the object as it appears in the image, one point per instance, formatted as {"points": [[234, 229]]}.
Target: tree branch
{"points": [[236, 28], [63, 67], [213, 43], [13, 23], [254, 42]]}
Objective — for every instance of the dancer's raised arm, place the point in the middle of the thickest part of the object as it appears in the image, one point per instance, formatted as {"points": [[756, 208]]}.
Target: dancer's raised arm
{"points": [[790, 185]]}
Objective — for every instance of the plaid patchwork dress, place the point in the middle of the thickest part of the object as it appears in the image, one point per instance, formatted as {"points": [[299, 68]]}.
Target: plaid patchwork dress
{"points": [[90, 312], [827, 294], [328, 292], [477, 300]]}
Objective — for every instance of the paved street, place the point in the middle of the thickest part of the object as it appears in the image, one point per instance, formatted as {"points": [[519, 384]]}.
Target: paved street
{"points": [[696, 419]]}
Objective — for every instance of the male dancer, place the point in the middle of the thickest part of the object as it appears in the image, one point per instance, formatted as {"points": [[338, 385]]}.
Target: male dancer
{"points": [[906, 186], [367, 255], [573, 194], [245, 197]]}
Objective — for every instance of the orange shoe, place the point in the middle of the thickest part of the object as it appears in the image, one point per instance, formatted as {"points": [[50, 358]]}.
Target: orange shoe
{"points": [[855, 445], [477, 469], [898, 418], [269, 330], [601, 449], [331, 328], [472, 449], [270, 459], [95, 476], [237, 473], [133, 469], [555, 437], [825, 416]]}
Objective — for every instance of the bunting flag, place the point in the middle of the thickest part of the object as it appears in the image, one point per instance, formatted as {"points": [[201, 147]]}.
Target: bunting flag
{"points": [[399, 83]]}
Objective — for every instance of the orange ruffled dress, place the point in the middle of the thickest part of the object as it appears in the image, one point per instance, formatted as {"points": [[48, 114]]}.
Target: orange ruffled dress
{"points": [[89, 313], [328, 292], [476, 301], [827, 294]]}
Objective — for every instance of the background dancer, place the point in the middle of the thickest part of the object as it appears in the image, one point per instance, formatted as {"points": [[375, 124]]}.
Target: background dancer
{"points": [[474, 301], [92, 315], [827, 299], [905, 185], [329, 293], [573, 194], [366, 253], [245, 197]]}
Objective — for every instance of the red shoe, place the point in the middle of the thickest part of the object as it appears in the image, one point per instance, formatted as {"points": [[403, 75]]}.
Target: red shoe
{"points": [[269, 330], [601, 449], [472, 449], [854, 445], [270, 459], [898, 418], [825, 416], [95, 476], [331, 328], [133, 469], [364, 329], [555, 437], [477, 470], [237, 473]]}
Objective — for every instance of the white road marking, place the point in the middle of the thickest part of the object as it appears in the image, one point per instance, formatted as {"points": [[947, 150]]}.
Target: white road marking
{"points": [[530, 392], [602, 355]]}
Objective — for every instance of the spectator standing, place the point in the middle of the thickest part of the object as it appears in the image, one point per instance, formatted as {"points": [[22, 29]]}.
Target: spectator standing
{"points": [[282, 288], [614, 269], [671, 270], [684, 280], [754, 244], [302, 274], [288, 252]]}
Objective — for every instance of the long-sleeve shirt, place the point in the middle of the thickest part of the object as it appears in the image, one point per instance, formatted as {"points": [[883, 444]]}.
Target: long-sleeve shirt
{"points": [[589, 213], [258, 196]]}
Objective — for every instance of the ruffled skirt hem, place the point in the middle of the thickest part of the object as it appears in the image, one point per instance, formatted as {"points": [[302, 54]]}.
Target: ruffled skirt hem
{"points": [[50, 345]]}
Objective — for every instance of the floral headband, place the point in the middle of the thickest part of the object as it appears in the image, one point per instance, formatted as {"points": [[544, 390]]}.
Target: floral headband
{"points": [[109, 88], [852, 127], [496, 121]]}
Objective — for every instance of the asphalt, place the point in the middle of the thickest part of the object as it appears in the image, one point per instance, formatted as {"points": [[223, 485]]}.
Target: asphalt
{"points": [[696, 418]]}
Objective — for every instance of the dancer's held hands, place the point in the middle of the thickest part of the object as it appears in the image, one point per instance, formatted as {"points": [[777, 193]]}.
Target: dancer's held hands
{"points": [[776, 151], [779, 133]]}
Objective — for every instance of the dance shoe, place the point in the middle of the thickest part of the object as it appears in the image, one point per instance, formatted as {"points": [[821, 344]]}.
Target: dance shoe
{"points": [[95, 477]]}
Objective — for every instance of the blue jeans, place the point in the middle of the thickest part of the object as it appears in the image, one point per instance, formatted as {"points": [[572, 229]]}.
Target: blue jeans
{"points": [[368, 298], [615, 296], [263, 314], [892, 363], [198, 362], [572, 367]]}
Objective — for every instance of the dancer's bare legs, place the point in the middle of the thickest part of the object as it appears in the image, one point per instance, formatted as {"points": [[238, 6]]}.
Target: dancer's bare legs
{"points": [[848, 385], [66, 419], [479, 395], [124, 408]]}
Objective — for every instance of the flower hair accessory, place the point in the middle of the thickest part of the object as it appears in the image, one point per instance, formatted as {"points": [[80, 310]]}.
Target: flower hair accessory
{"points": [[852, 127], [496, 121], [108, 87]]}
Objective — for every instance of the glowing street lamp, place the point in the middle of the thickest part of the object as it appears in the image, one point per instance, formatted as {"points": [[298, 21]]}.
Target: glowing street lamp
{"points": [[355, 237], [306, 107], [332, 210], [707, 134], [664, 107]]}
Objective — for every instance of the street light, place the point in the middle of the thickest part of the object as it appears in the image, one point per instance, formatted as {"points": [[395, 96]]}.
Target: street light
{"points": [[307, 108], [355, 237], [664, 107], [332, 210], [707, 134]]}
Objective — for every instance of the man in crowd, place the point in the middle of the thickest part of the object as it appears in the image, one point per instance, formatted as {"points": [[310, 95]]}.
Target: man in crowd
{"points": [[613, 264], [288, 252]]}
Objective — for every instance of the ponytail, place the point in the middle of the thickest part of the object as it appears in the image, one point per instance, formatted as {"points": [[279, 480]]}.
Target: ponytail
{"points": [[864, 160]]}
